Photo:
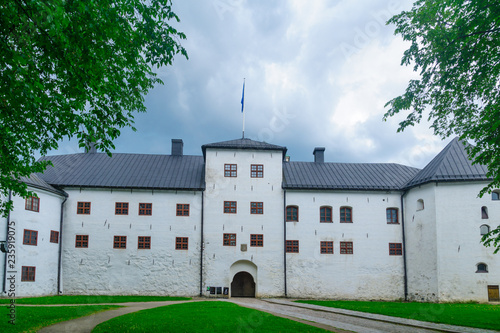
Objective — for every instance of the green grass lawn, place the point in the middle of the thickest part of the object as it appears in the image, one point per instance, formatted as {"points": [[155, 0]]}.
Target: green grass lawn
{"points": [[209, 316], [462, 314], [86, 299], [31, 319]]}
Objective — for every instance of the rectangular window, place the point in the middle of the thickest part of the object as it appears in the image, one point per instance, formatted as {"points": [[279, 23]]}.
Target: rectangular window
{"points": [[325, 214], [230, 170], [292, 246], [292, 214], [82, 241], [33, 204], [144, 242], [182, 210], [392, 215], [256, 208], [229, 240], [120, 242], [345, 215], [230, 207], [28, 273], [83, 208], [326, 247], [257, 240], [30, 237], [54, 236], [257, 171], [181, 243], [121, 208], [146, 209], [346, 248], [395, 249]]}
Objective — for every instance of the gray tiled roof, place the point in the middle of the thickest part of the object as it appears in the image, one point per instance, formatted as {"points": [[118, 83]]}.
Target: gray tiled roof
{"points": [[243, 144], [34, 181], [126, 171], [451, 164], [346, 176]]}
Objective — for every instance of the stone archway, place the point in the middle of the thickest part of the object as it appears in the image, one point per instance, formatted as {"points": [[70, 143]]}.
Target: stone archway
{"points": [[243, 285], [243, 277]]}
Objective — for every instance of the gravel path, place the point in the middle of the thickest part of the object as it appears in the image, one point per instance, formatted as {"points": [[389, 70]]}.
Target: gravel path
{"points": [[339, 320]]}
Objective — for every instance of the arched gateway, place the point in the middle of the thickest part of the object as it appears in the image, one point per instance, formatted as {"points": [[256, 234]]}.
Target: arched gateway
{"points": [[243, 285], [244, 278]]}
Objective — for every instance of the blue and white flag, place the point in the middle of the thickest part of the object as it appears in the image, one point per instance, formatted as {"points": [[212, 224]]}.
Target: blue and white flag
{"points": [[243, 97]]}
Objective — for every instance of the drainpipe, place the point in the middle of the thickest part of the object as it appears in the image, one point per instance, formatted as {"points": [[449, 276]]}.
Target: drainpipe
{"points": [[284, 240], [201, 246], [404, 246], [6, 247], [59, 261]]}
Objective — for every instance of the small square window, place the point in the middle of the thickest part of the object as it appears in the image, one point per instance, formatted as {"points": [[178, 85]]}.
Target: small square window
{"points": [[230, 170], [395, 249], [145, 209], [121, 208], [229, 240], [30, 237], [33, 204], [256, 208], [230, 207], [257, 171], [292, 246], [120, 242], [346, 248], [28, 273], [181, 243], [144, 242], [82, 241], [83, 208], [257, 240], [326, 247], [182, 210], [54, 236]]}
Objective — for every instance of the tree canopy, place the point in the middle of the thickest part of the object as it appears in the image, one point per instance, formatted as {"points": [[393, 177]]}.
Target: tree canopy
{"points": [[75, 68], [455, 47]]}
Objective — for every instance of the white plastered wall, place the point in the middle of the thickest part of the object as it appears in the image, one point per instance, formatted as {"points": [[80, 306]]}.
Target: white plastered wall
{"points": [[458, 215], [44, 255], [268, 259], [421, 246], [370, 272], [161, 270]]}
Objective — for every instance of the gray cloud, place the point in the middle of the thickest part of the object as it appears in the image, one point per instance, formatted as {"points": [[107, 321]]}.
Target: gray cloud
{"points": [[318, 73]]}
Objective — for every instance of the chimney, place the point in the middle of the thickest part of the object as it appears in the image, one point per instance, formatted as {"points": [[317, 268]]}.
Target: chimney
{"points": [[319, 154], [177, 147]]}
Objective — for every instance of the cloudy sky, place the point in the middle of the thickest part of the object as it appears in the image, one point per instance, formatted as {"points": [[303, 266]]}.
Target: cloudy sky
{"points": [[318, 73]]}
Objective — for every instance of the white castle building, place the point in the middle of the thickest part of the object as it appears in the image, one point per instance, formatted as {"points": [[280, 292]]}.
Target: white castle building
{"points": [[243, 218]]}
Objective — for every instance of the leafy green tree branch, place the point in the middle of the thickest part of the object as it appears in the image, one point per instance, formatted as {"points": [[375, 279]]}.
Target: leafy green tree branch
{"points": [[75, 68]]}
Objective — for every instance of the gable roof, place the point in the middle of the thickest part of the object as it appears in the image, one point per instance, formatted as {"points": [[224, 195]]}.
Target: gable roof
{"points": [[451, 164], [346, 176], [36, 182], [243, 144], [143, 171]]}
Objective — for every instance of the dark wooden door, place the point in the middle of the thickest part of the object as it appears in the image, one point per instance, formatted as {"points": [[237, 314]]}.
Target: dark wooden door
{"points": [[243, 285], [493, 295]]}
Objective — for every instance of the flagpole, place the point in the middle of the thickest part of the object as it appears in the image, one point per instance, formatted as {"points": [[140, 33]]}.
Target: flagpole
{"points": [[243, 107]]}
